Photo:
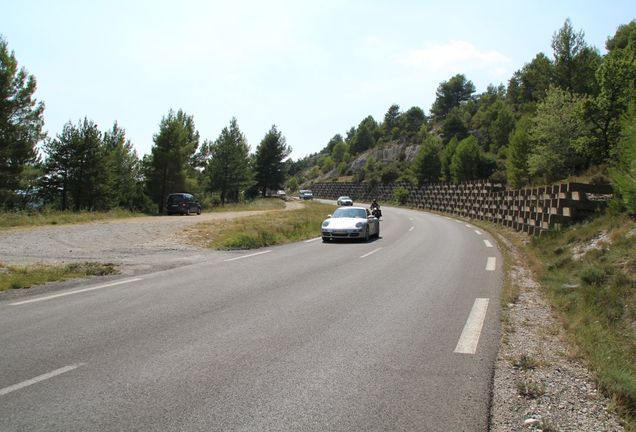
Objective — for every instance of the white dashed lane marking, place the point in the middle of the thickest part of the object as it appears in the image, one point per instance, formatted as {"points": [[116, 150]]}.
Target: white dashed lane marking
{"points": [[469, 338], [370, 253], [487, 243], [37, 379], [491, 264], [74, 292], [247, 256]]}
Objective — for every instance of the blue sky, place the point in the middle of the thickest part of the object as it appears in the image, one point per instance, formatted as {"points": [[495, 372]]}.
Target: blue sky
{"points": [[312, 68]]}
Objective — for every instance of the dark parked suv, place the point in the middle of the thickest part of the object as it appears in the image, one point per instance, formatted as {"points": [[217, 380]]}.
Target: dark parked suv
{"points": [[182, 203]]}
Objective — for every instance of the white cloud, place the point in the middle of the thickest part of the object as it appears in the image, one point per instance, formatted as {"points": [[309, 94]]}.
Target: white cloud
{"points": [[457, 55]]}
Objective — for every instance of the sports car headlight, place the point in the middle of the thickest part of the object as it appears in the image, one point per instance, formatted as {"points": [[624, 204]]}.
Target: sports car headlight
{"points": [[325, 224], [359, 224]]}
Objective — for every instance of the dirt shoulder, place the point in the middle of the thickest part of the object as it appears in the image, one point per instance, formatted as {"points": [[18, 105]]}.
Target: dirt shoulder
{"points": [[540, 383]]}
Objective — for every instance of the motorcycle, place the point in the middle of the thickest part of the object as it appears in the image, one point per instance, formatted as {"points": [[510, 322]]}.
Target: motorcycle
{"points": [[375, 211]]}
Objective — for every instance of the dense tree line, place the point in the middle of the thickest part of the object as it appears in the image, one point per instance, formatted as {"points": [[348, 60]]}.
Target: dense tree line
{"points": [[84, 168], [558, 116]]}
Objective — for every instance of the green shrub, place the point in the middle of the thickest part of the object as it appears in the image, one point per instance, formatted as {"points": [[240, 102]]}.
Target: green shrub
{"points": [[401, 195], [593, 276], [624, 175]]}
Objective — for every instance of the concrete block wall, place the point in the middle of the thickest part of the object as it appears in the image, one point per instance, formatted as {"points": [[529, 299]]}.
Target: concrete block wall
{"points": [[532, 210]]}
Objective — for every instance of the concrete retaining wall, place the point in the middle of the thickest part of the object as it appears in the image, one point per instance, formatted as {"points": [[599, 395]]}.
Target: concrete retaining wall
{"points": [[532, 210]]}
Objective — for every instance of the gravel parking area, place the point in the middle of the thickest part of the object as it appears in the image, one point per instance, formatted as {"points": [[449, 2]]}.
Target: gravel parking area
{"points": [[134, 244]]}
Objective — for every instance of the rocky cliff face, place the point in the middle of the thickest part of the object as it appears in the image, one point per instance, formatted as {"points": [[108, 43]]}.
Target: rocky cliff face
{"points": [[385, 154]]}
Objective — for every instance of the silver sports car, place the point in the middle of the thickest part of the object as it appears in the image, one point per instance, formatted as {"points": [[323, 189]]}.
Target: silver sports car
{"points": [[350, 223]]}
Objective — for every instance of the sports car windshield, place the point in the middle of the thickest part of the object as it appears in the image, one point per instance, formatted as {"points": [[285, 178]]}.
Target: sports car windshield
{"points": [[350, 213]]}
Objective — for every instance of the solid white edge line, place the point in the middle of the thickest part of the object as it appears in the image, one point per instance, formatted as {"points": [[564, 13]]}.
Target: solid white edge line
{"points": [[487, 243], [477, 232], [247, 256], [312, 240], [469, 338], [37, 379], [491, 264], [74, 292], [370, 253]]}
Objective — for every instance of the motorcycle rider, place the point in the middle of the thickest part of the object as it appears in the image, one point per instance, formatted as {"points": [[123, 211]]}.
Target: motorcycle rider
{"points": [[375, 209]]}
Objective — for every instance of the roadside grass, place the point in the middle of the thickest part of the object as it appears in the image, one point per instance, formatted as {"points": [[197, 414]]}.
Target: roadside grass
{"points": [[17, 277], [256, 204], [56, 217], [272, 228], [589, 273]]}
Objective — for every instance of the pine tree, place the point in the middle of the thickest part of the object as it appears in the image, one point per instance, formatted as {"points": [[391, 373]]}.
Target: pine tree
{"points": [[270, 166], [125, 170], [78, 168], [451, 94], [518, 152], [575, 62], [171, 157], [59, 165], [228, 170], [21, 122]]}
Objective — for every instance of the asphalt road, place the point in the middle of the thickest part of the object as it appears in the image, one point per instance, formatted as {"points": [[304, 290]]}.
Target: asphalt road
{"points": [[398, 334]]}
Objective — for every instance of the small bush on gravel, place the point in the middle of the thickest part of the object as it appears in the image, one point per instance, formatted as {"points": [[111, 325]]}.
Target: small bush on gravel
{"points": [[525, 362], [530, 390]]}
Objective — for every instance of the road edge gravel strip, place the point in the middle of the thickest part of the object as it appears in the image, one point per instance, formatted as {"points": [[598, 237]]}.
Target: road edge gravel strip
{"points": [[540, 384]]}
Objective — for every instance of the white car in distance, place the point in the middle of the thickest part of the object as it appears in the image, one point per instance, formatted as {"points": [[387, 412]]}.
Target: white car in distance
{"points": [[344, 201]]}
